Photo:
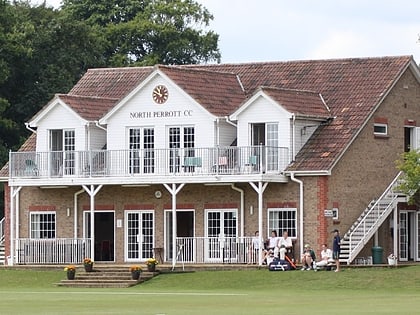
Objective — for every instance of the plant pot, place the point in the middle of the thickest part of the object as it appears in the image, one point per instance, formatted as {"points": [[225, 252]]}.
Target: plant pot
{"points": [[71, 275], [89, 267], [151, 267], [135, 275]]}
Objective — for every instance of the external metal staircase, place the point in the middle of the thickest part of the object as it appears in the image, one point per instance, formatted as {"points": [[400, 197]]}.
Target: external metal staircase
{"points": [[355, 239], [2, 252]]}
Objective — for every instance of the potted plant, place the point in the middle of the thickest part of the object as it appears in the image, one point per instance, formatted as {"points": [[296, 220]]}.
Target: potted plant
{"points": [[88, 264], [151, 264], [392, 260], [135, 272], [71, 272]]}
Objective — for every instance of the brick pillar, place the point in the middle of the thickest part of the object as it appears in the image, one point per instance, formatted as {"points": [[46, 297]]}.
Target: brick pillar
{"points": [[322, 228]]}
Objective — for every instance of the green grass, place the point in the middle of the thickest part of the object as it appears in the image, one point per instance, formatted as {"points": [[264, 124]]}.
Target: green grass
{"points": [[353, 291]]}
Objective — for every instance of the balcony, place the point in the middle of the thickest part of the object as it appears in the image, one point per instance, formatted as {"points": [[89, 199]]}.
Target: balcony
{"points": [[147, 164]]}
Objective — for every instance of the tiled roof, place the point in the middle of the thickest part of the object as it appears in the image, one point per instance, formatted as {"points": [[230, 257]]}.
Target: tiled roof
{"points": [[301, 103], [28, 146], [89, 108], [110, 82], [218, 92], [351, 88]]}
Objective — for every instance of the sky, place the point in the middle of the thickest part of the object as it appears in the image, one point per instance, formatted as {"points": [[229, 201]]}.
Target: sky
{"points": [[280, 30]]}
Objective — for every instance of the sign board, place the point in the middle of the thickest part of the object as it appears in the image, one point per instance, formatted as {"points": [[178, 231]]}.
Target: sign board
{"points": [[328, 213]]}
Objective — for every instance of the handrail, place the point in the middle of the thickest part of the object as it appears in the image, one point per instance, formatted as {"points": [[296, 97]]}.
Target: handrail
{"points": [[376, 207], [2, 224]]}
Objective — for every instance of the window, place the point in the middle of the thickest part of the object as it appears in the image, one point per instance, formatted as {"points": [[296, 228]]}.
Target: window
{"points": [[282, 219], [380, 129], [42, 224]]}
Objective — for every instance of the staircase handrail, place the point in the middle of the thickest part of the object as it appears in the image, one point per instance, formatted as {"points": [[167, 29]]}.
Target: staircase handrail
{"points": [[2, 221], [363, 220]]}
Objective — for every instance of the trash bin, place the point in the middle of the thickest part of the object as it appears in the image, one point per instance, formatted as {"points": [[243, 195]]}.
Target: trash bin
{"points": [[377, 253]]}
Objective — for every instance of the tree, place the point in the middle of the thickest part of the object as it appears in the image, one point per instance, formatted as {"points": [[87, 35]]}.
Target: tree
{"points": [[409, 164], [149, 32]]}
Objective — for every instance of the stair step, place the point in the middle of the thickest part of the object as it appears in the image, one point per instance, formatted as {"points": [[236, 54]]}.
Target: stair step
{"points": [[106, 277]]}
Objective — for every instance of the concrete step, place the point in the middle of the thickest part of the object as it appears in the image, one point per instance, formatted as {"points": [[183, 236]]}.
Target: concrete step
{"points": [[105, 277]]}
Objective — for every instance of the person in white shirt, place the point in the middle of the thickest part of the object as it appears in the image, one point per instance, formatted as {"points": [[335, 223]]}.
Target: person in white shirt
{"points": [[285, 245], [326, 257], [273, 245]]}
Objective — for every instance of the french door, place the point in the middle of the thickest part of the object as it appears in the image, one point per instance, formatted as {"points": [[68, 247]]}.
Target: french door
{"points": [[142, 154], [62, 148], [139, 235], [221, 231], [181, 144]]}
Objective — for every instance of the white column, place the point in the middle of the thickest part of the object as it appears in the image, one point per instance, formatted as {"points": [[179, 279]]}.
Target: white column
{"points": [[92, 191], [260, 191], [173, 190]]}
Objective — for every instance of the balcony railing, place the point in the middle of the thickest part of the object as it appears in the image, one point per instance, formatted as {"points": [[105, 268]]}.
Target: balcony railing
{"points": [[148, 162], [2, 226], [217, 250], [52, 251]]}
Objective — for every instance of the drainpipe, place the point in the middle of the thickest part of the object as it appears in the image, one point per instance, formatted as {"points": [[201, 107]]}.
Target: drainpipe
{"points": [[99, 126], [230, 122], [75, 211], [293, 137], [217, 132], [29, 128], [292, 177], [242, 206]]}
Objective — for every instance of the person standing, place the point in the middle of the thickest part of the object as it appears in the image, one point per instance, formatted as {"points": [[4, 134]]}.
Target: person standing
{"points": [[254, 249], [336, 249]]}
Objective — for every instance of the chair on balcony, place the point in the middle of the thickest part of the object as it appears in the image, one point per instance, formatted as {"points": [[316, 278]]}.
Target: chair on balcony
{"points": [[31, 169], [191, 162]]}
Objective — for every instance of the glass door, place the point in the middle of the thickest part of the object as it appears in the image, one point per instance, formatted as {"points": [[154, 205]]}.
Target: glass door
{"points": [[139, 231], [403, 237], [221, 235]]}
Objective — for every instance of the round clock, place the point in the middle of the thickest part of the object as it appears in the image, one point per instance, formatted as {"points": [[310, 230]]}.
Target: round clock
{"points": [[160, 94]]}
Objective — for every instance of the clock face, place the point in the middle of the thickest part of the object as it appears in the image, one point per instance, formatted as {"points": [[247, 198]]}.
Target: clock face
{"points": [[160, 94]]}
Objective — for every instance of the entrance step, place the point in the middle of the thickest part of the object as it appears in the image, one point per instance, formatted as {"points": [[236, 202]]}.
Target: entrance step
{"points": [[105, 277]]}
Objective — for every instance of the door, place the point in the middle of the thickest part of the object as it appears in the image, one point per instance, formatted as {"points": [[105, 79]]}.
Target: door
{"points": [[139, 235], [221, 233], [265, 142], [142, 154], [181, 144], [104, 234], [185, 232], [403, 236], [62, 148]]}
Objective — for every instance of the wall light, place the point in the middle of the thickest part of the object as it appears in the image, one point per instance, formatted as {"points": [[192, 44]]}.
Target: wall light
{"points": [[68, 212]]}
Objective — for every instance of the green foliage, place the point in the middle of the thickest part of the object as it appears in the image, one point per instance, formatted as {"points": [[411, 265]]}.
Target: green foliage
{"points": [[409, 164], [149, 32]]}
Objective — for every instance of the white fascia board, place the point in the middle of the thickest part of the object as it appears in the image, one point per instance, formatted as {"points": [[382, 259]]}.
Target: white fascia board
{"points": [[251, 101], [156, 72], [44, 112]]}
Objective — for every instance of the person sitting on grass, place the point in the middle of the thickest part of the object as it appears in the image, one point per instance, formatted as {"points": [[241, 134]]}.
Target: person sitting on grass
{"points": [[308, 258]]}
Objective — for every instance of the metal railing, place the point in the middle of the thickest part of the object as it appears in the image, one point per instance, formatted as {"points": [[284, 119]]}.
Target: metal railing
{"points": [[52, 251], [144, 162], [217, 250], [2, 225]]}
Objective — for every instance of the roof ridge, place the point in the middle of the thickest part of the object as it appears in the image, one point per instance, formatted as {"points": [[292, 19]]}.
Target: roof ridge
{"points": [[87, 96]]}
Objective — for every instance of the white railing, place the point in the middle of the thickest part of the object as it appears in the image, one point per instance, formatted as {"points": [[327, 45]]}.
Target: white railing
{"points": [[2, 230], [217, 250], [370, 221], [52, 251], [144, 162]]}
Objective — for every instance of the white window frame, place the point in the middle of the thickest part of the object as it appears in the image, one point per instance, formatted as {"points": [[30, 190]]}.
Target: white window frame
{"points": [[380, 133], [41, 233], [291, 228]]}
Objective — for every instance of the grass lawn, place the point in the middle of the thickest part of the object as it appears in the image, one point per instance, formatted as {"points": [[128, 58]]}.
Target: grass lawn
{"points": [[352, 291]]}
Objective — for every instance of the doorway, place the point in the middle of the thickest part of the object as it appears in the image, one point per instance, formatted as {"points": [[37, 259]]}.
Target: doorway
{"points": [[409, 234], [185, 230], [104, 234]]}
